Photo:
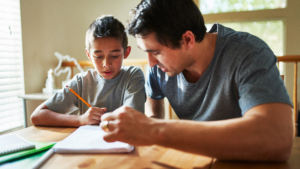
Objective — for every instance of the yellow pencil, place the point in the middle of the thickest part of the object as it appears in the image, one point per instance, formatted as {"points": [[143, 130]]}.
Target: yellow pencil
{"points": [[79, 96]]}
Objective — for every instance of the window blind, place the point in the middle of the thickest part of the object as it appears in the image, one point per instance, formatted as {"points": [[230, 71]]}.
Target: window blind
{"points": [[11, 66]]}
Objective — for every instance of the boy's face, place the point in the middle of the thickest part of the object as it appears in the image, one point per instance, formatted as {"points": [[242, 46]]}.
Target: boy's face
{"points": [[107, 56], [171, 61]]}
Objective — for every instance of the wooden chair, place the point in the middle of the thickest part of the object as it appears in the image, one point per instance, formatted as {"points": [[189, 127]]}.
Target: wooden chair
{"points": [[294, 59]]}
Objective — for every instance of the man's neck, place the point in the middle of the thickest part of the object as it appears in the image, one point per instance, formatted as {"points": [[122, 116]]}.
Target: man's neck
{"points": [[202, 55]]}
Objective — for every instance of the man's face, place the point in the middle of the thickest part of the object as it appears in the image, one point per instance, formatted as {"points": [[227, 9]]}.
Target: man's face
{"points": [[107, 56], [171, 61]]}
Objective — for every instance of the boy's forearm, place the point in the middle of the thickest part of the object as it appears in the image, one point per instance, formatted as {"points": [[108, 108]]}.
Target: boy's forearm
{"points": [[47, 117]]}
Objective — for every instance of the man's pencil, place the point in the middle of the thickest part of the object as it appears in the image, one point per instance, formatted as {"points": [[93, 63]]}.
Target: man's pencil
{"points": [[79, 96]]}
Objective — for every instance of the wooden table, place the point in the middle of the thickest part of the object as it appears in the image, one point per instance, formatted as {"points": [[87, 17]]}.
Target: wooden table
{"points": [[144, 156]]}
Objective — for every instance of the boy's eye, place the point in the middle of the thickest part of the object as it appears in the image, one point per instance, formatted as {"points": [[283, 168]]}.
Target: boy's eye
{"points": [[98, 57]]}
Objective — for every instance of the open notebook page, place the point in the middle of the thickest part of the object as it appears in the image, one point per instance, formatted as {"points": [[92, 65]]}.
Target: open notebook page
{"points": [[89, 139]]}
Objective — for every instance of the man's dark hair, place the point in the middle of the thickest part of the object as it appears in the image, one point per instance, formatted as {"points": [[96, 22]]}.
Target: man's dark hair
{"points": [[106, 26], [169, 19]]}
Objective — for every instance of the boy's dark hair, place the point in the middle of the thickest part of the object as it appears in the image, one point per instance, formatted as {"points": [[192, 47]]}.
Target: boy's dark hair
{"points": [[106, 26], [169, 19]]}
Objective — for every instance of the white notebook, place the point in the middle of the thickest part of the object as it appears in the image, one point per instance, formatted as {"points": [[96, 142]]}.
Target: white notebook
{"points": [[89, 139], [11, 143]]}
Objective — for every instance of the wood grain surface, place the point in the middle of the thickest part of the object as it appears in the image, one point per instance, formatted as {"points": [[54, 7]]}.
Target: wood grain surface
{"points": [[142, 157]]}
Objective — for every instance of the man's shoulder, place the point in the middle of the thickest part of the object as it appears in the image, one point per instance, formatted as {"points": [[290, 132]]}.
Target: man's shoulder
{"points": [[235, 47], [240, 39]]}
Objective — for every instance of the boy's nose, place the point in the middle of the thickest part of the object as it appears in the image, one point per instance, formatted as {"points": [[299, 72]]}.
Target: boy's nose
{"points": [[106, 63]]}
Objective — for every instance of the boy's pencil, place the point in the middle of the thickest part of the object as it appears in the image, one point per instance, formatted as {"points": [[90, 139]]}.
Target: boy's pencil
{"points": [[79, 96]]}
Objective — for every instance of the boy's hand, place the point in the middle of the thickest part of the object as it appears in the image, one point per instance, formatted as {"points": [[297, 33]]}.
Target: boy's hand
{"points": [[92, 116], [130, 126]]}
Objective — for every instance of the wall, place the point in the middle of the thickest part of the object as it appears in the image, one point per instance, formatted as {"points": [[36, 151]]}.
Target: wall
{"points": [[56, 25], [49, 26]]}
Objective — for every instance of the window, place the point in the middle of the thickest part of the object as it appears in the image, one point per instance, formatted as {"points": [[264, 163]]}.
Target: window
{"points": [[221, 6], [11, 66]]}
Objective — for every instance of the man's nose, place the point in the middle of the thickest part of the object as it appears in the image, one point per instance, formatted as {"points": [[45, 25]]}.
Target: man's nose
{"points": [[152, 60]]}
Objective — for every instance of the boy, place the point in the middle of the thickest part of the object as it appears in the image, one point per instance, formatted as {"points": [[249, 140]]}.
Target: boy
{"points": [[109, 85]]}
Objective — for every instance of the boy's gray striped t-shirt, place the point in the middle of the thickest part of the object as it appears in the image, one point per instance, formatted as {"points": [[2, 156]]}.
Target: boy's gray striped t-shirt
{"points": [[125, 89]]}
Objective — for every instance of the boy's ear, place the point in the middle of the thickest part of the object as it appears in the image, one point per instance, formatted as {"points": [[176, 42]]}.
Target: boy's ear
{"points": [[127, 52], [188, 39], [88, 54]]}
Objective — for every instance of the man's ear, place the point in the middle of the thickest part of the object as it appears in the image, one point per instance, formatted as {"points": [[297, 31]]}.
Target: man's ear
{"points": [[188, 39], [88, 54], [127, 52]]}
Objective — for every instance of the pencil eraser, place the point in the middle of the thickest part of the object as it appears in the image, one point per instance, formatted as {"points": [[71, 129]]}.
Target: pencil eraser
{"points": [[67, 86]]}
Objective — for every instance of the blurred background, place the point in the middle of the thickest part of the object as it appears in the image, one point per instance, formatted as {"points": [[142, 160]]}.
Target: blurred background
{"points": [[32, 30]]}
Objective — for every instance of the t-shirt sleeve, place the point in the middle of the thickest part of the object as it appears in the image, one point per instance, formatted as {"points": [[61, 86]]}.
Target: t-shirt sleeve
{"points": [[64, 101], [259, 81], [153, 89], [134, 96]]}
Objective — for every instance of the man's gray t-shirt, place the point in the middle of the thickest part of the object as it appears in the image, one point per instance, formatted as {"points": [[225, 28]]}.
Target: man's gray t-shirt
{"points": [[125, 89], [242, 74]]}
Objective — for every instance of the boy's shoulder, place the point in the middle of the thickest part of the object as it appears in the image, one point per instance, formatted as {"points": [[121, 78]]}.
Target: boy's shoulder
{"points": [[93, 75], [90, 72], [131, 72], [131, 69]]}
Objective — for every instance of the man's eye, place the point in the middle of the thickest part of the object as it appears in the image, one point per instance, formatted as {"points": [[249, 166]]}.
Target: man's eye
{"points": [[115, 56], [155, 53]]}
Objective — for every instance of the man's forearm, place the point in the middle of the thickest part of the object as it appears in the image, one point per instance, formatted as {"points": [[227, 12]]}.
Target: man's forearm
{"points": [[155, 108], [253, 138]]}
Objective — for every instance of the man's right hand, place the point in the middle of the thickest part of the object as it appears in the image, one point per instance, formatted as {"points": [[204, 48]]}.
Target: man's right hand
{"points": [[130, 126], [92, 116]]}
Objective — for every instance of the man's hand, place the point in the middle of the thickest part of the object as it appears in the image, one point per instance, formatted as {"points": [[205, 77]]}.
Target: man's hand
{"points": [[92, 116], [130, 126]]}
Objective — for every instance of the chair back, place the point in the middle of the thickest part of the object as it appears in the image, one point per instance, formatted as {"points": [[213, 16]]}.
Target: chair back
{"points": [[292, 59]]}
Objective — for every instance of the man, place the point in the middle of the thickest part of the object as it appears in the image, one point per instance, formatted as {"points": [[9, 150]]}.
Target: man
{"points": [[225, 84]]}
